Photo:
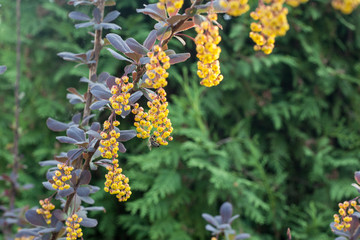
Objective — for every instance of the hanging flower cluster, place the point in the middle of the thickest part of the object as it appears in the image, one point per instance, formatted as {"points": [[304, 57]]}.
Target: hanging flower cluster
{"points": [[116, 182], [208, 51], [73, 230], [46, 207], [61, 176], [235, 7], [109, 145], [156, 69], [271, 22], [345, 6], [170, 5], [120, 98], [155, 118], [345, 211]]}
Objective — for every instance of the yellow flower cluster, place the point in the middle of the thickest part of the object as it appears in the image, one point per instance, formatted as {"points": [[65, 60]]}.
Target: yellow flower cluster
{"points": [[208, 52], [171, 5], [120, 93], [109, 145], [235, 7], [345, 6], [116, 182], [73, 227], [46, 207], [61, 176], [156, 69], [295, 3], [272, 22], [345, 211], [156, 117]]}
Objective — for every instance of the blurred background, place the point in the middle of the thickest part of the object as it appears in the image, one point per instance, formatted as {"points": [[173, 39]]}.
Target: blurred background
{"points": [[278, 138]]}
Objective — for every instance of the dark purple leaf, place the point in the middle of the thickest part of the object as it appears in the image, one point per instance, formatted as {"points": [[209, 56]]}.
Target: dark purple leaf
{"points": [[135, 97], [95, 126], [153, 11], [65, 192], [83, 191], [180, 57], [76, 118], [94, 134], [110, 26], [242, 236], [110, 81], [117, 42], [95, 209], [85, 121], [99, 104], [89, 222], [117, 55], [102, 77], [2, 69], [122, 148], [101, 93], [34, 218], [126, 135], [74, 153], [56, 125], [211, 229], [226, 212], [136, 47], [210, 219], [48, 163], [111, 16], [48, 186], [150, 40], [85, 177], [97, 15], [83, 25], [64, 139], [76, 133], [87, 199], [79, 16]]}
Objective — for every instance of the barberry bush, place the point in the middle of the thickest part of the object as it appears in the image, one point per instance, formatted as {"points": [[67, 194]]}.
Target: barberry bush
{"points": [[232, 143]]}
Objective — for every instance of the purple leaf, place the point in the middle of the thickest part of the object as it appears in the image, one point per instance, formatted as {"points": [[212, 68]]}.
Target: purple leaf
{"points": [[48, 186], [85, 121], [56, 125], [242, 236], [100, 93], [110, 26], [150, 40], [64, 139], [34, 218], [99, 104], [97, 15], [117, 42], [65, 192], [126, 135], [76, 118], [94, 134], [85, 177], [89, 222], [210, 219], [74, 153], [153, 11], [95, 209], [79, 16], [136, 47], [111, 16], [226, 212], [76, 133], [122, 148], [102, 77], [48, 163], [87, 199], [357, 177], [2, 69], [83, 25], [135, 97], [60, 215], [27, 233], [95, 126], [211, 229], [180, 57], [117, 55], [83, 191]]}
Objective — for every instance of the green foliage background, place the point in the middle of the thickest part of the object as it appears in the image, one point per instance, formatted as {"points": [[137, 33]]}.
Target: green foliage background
{"points": [[278, 138]]}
